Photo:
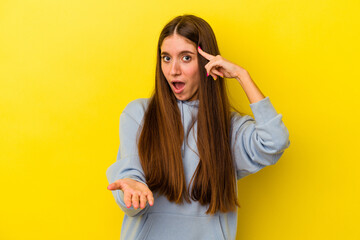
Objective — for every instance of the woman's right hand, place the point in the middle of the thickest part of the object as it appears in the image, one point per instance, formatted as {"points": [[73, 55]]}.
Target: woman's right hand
{"points": [[134, 192]]}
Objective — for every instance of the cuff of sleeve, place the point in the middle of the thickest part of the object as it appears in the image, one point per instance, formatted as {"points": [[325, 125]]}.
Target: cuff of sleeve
{"points": [[263, 110]]}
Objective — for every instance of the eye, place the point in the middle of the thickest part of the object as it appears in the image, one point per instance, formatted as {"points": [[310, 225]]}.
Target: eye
{"points": [[164, 58], [188, 58]]}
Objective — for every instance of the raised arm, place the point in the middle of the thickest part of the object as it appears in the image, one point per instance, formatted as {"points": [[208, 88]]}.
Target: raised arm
{"points": [[260, 142], [255, 143]]}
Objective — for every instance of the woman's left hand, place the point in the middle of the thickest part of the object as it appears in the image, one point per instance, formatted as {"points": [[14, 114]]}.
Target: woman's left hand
{"points": [[218, 65]]}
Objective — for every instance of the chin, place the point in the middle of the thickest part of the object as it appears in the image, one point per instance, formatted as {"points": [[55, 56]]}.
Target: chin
{"points": [[182, 98]]}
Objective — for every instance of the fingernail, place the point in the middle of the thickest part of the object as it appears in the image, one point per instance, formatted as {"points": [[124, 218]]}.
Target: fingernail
{"points": [[199, 47], [207, 74]]}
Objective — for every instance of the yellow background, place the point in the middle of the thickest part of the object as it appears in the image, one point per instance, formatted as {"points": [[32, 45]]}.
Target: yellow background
{"points": [[68, 69]]}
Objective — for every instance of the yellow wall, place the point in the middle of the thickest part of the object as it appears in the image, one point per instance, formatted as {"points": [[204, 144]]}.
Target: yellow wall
{"points": [[68, 69]]}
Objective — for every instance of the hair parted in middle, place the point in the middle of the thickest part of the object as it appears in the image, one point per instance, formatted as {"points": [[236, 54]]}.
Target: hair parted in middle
{"points": [[213, 183]]}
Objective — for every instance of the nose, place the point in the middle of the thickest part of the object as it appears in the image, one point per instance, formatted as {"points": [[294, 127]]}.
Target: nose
{"points": [[175, 68]]}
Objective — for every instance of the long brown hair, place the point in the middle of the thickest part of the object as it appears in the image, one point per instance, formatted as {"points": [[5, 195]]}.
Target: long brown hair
{"points": [[162, 134]]}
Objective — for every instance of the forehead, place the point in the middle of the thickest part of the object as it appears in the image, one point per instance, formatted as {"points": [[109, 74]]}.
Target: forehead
{"points": [[176, 43]]}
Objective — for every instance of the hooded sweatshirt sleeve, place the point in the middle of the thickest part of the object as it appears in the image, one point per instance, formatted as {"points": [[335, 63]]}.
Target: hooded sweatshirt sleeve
{"points": [[260, 142], [127, 164]]}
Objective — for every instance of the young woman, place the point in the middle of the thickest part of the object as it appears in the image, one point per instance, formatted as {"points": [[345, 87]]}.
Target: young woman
{"points": [[182, 150]]}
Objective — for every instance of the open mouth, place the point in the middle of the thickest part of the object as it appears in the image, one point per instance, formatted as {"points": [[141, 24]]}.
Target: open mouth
{"points": [[178, 85]]}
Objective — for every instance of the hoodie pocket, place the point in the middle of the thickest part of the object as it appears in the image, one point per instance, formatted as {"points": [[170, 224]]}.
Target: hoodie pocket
{"points": [[173, 226]]}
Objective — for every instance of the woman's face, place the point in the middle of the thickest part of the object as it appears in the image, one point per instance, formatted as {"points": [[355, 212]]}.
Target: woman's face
{"points": [[179, 63]]}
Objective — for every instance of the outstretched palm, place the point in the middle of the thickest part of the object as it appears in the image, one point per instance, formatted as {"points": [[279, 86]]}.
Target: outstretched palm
{"points": [[135, 193]]}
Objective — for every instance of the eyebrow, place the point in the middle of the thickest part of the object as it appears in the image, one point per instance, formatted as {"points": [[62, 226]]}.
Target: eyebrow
{"points": [[182, 52]]}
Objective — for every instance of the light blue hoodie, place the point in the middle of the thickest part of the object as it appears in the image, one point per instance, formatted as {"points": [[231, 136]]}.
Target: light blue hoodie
{"points": [[255, 144]]}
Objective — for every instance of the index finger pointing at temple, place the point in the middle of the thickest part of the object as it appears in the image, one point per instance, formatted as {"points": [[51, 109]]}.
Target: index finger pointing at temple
{"points": [[205, 54]]}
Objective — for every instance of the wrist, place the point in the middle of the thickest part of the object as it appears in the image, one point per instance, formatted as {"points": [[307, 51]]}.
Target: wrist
{"points": [[242, 76]]}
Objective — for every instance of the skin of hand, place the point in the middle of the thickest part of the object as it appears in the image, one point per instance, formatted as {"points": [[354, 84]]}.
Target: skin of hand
{"points": [[218, 65], [134, 192]]}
